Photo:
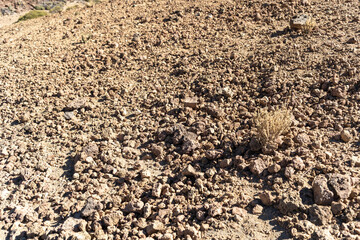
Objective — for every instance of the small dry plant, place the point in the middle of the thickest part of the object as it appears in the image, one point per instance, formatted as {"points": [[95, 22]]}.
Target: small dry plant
{"points": [[271, 124], [309, 27]]}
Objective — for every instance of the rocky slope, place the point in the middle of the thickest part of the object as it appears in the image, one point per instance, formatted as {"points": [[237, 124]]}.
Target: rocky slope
{"points": [[133, 120]]}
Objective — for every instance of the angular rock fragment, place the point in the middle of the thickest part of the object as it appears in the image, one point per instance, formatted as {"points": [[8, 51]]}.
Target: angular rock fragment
{"points": [[337, 207], [190, 102], [112, 219], [341, 184], [157, 150], [90, 207], [154, 227], [134, 206], [189, 171], [214, 111], [290, 202], [156, 191], [213, 154], [215, 210], [300, 22], [302, 138], [179, 132], [257, 166], [91, 150], [266, 198], [226, 163], [322, 194], [190, 142]]}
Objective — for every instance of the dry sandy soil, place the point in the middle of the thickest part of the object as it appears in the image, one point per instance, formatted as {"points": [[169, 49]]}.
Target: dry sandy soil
{"points": [[134, 120]]}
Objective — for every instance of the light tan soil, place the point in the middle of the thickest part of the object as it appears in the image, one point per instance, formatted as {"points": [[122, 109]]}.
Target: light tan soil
{"points": [[133, 120]]}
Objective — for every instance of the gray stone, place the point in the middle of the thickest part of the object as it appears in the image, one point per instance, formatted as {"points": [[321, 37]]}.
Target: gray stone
{"points": [[300, 22], [90, 207], [69, 115], [322, 194], [190, 143]]}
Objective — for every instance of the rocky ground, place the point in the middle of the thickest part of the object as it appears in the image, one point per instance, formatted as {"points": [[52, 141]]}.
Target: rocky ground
{"points": [[134, 120]]}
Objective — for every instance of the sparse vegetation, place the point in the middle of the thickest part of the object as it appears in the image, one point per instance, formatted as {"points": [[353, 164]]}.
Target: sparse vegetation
{"points": [[32, 14], [309, 27], [39, 7], [271, 124], [56, 9]]}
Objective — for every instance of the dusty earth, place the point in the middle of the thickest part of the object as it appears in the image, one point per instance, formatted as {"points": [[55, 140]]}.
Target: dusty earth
{"points": [[133, 120]]}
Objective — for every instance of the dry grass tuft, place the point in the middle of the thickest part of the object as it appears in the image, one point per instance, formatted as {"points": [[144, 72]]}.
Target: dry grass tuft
{"points": [[271, 124], [309, 27]]}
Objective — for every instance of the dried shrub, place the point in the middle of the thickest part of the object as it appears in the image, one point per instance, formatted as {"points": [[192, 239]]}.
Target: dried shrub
{"points": [[309, 27], [271, 124]]}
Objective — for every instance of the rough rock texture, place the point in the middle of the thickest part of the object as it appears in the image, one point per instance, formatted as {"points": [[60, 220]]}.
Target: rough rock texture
{"points": [[134, 120], [322, 193]]}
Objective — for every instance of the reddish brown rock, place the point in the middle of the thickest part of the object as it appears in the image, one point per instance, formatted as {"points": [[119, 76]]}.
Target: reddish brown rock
{"points": [[341, 185], [257, 166], [322, 194]]}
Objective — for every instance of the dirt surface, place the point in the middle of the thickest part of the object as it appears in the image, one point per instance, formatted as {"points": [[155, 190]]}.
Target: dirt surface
{"points": [[134, 120]]}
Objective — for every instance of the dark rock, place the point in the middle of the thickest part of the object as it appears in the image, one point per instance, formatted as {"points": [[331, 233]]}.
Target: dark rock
{"points": [[157, 150], [341, 184], [266, 198], [226, 163], [337, 207], [255, 144], [134, 206]]}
